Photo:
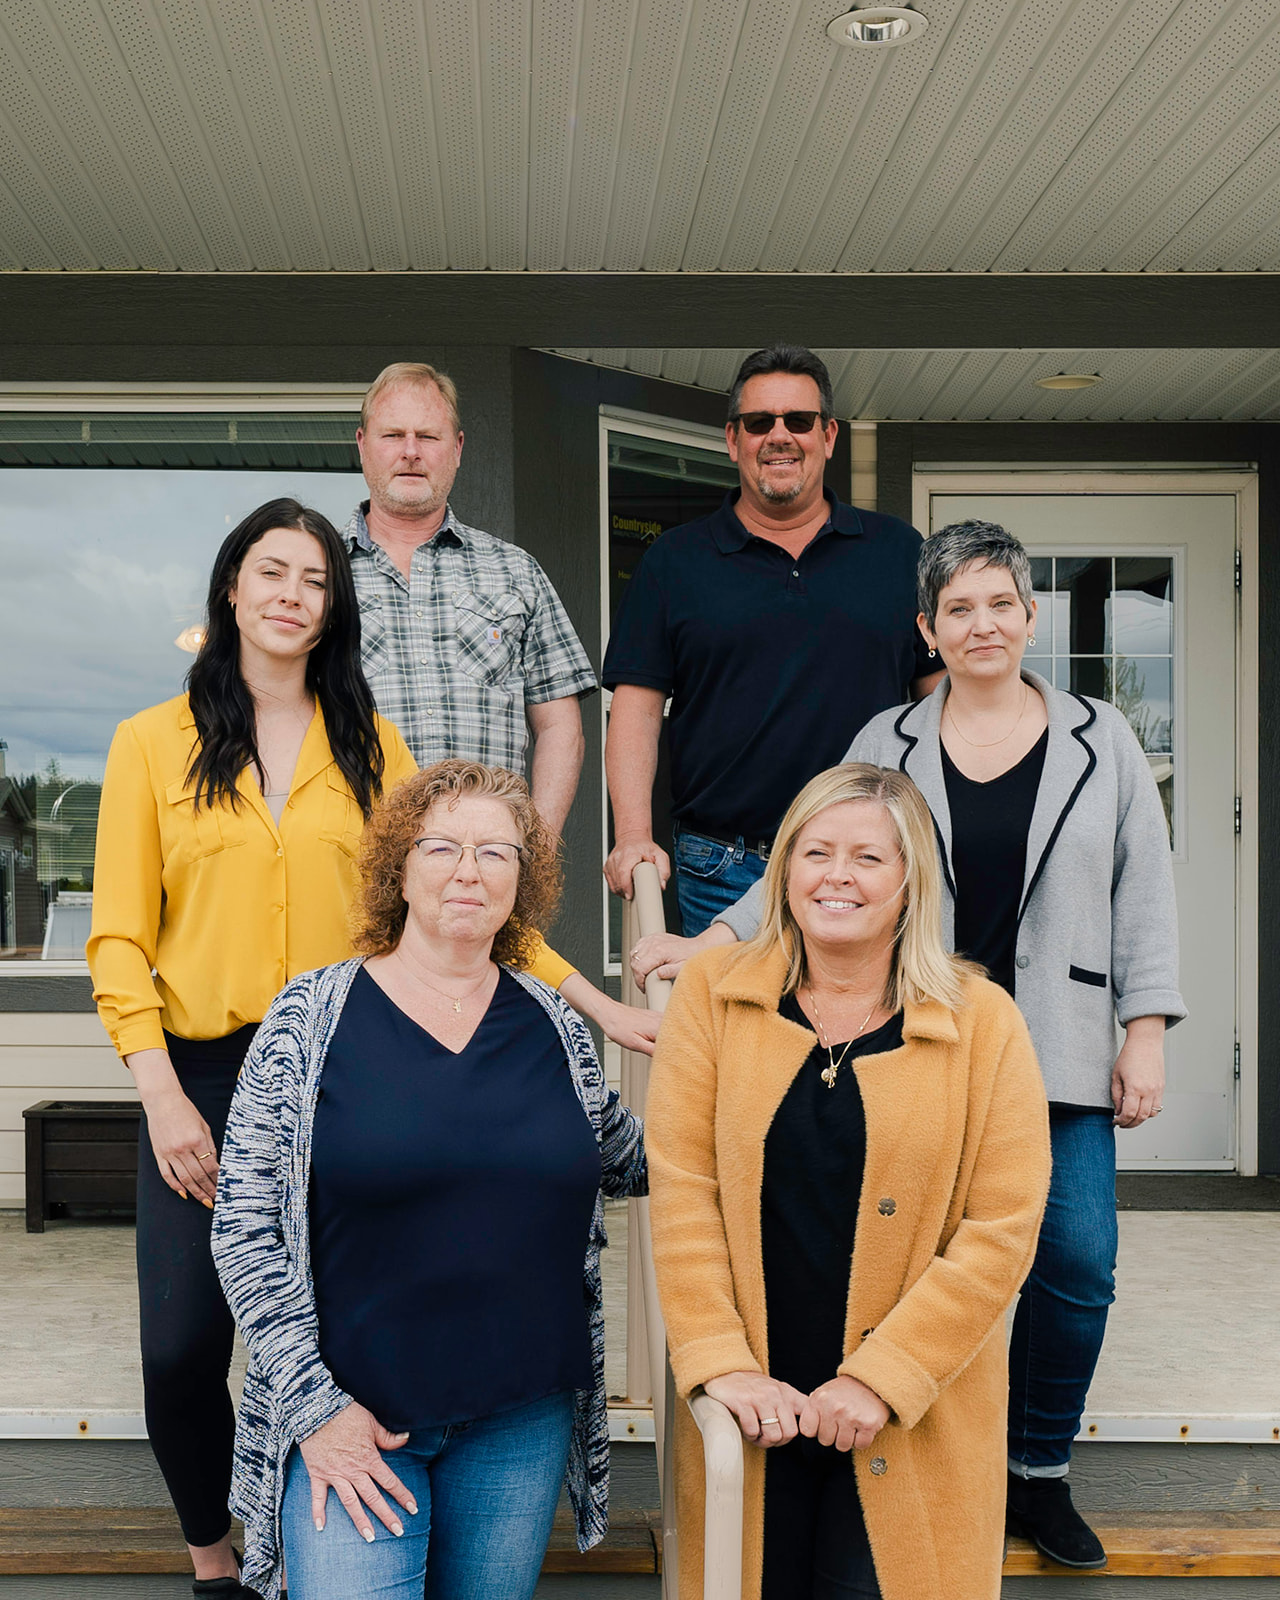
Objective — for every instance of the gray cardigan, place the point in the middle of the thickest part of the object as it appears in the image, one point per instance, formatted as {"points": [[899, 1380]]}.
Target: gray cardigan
{"points": [[262, 1249], [1097, 929]]}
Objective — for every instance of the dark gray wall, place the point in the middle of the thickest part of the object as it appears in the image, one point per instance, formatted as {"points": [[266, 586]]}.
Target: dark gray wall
{"points": [[901, 445]]}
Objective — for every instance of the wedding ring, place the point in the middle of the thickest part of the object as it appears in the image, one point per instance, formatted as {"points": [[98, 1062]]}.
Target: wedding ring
{"points": [[765, 1421], [205, 1156]]}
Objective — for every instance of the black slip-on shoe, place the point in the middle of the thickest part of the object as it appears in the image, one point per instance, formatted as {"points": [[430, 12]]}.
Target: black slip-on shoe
{"points": [[1040, 1509]]}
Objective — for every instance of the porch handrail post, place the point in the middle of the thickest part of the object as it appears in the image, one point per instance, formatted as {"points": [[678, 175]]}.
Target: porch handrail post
{"points": [[723, 1467], [721, 1440], [634, 1087], [643, 915]]}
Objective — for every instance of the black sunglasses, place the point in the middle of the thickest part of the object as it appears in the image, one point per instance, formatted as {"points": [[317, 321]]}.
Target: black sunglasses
{"points": [[792, 421]]}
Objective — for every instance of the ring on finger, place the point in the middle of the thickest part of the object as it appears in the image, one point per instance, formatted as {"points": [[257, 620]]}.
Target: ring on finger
{"points": [[207, 1156], [766, 1421]]}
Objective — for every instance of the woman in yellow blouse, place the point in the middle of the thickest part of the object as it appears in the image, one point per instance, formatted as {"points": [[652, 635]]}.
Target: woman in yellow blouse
{"points": [[227, 837], [225, 865]]}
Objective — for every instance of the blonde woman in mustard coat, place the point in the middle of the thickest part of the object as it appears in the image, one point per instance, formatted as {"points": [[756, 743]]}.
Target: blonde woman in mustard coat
{"points": [[849, 1157]]}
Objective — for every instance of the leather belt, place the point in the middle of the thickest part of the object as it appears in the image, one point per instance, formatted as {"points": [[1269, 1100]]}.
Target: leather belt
{"points": [[756, 847]]}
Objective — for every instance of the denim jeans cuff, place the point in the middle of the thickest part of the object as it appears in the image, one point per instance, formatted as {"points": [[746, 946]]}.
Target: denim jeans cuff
{"points": [[1020, 1469]]}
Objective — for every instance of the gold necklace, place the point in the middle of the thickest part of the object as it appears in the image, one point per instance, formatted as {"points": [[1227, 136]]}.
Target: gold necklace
{"points": [[829, 1072], [991, 744], [456, 998]]}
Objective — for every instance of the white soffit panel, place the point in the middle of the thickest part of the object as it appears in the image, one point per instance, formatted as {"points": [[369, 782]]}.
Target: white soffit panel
{"points": [[625, 135], [999, 385]]}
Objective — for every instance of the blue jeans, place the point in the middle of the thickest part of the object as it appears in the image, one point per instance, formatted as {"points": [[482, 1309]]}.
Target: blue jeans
{"points": [[1062, 1314], [710, 877], [486, 1494]]}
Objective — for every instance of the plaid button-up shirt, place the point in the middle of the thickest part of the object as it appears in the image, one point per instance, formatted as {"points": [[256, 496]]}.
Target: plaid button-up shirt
{"points": [[455, 651]]}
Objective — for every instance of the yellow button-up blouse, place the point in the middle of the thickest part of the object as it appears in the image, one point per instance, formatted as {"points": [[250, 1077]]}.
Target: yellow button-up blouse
{"points": [[201, 917]]}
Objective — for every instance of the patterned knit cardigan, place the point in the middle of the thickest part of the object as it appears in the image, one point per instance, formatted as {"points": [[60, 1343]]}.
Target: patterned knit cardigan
{"points": [[262, 1244]]}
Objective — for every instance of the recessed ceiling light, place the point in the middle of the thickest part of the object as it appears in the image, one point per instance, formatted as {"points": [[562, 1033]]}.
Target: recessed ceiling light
{"points": [[1070, 380], [875, 26]]}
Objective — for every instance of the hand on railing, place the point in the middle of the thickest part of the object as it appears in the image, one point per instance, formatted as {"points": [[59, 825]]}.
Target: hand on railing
{"points": [[767, 1410], [665, 953], [626, 855]]}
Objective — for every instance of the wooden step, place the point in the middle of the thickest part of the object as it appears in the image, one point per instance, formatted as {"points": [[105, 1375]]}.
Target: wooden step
{"points": [[96, 1539], [1169, 1544]]}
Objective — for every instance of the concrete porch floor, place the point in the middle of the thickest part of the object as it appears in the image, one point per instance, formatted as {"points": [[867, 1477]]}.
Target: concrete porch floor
{"points": [[1193, 1341]]}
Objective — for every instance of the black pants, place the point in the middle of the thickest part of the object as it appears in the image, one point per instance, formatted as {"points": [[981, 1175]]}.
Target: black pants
{"points": [[187, 1330], [815, 1541]]}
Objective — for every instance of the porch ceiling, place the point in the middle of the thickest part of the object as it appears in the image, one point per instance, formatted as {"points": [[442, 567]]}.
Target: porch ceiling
{"points": [[1237, 385], [621, 135]]}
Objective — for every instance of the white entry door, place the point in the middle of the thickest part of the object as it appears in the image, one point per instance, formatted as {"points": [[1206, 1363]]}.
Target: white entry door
{"points": [[1136, 580]]}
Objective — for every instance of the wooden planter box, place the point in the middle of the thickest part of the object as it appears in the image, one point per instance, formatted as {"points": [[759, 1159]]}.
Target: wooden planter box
{"points": [[81, 1153]]}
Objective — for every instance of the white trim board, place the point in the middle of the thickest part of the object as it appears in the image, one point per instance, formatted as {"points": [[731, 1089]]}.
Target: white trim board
{"points": [[152, 397]]}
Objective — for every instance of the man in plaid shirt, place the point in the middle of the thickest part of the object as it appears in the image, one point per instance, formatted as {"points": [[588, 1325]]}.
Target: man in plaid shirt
{"points": [[464, 642]]}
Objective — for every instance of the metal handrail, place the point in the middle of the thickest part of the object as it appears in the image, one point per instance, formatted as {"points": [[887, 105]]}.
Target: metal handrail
{"points": [[646, 1332]]}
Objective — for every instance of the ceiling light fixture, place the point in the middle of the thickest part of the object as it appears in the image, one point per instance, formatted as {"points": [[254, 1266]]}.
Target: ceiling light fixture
{"points": [[1070, 380], [872, 27]]}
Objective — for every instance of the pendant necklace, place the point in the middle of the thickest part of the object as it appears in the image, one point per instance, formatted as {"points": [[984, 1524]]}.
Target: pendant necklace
{"points": [[829, 1072], [457, 999]]}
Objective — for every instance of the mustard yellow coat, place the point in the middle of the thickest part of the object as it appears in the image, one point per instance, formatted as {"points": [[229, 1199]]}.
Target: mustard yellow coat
{"points": [[957, 1169]]}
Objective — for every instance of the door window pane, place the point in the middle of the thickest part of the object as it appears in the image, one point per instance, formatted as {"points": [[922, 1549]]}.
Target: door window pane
{"points": [[1106, 629], [1141, 611], [105, 571]]}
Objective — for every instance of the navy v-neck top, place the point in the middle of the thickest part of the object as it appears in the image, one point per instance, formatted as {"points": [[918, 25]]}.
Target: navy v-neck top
{"points": [[451, 1206]]}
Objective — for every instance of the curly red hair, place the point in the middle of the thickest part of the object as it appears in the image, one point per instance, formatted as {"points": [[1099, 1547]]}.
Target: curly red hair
{"points": [[380, 912]]}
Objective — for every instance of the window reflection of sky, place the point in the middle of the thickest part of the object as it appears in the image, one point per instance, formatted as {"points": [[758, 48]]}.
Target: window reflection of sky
{"points": [[102, 570]]}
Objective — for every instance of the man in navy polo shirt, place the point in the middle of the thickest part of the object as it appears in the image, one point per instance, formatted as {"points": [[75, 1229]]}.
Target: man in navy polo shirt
{"points": [[778, 625]]}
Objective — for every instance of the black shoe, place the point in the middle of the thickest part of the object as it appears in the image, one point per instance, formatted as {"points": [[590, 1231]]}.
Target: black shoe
{"points": [[1040, 1509], [223, 1588]]}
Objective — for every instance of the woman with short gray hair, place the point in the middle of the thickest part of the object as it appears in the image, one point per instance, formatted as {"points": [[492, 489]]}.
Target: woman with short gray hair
{"points": [[1055, 856]]}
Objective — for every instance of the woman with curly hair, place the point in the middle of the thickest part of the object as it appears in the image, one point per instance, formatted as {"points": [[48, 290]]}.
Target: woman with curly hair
{"points": [[409, 1222]]}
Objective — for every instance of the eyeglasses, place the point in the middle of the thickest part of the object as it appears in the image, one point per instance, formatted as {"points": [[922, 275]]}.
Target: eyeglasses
{"points": [[792, 421], [494, 856]]}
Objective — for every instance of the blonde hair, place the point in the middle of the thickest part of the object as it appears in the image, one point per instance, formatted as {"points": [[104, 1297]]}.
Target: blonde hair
{"points": [[921, 969], [379, 916], [415, 374]]}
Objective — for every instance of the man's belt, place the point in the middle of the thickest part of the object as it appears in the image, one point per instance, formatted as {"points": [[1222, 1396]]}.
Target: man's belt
{"points": [[755, 847]]}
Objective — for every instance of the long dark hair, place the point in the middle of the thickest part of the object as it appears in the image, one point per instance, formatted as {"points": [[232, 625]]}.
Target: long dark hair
{"points": [[220, 700]]}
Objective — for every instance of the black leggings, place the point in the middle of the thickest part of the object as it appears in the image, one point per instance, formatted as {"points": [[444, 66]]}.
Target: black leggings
{"points": [[815, 1541], [187, 1330]]}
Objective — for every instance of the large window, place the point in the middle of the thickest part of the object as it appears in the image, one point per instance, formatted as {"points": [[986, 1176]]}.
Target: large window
{"points": [[655, 475], [108, 529]]}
